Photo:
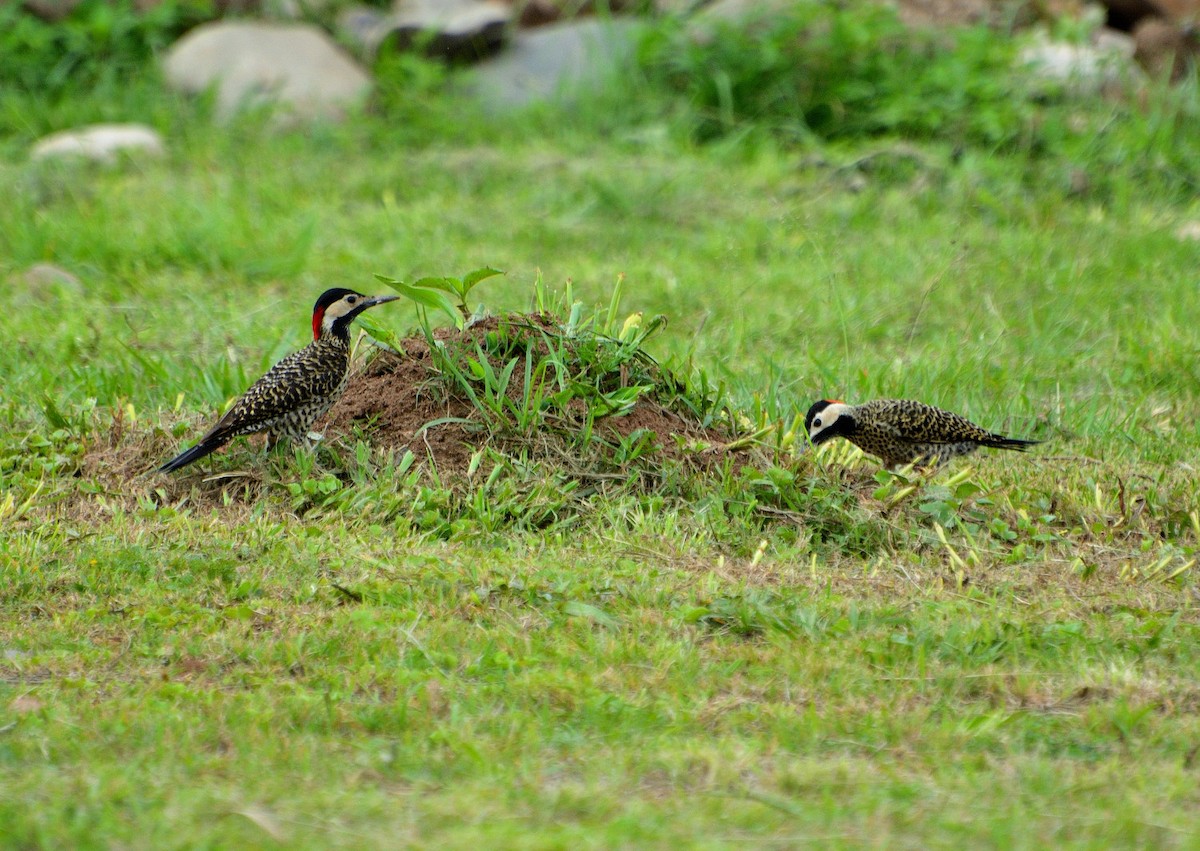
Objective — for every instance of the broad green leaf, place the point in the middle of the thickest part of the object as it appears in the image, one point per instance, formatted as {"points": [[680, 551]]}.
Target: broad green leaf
{"points": [[967, 489], [450, 285], [470, 279], [427, 297], [53, 415]]}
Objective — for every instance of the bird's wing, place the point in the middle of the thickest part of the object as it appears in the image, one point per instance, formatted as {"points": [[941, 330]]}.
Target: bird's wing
{"points": [[918, 423], [288, 385]]}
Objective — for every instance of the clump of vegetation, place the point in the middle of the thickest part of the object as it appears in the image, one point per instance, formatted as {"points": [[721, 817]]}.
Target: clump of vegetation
{"points": [[524, 419], [827, 71], [819, 72], [98, 43]]}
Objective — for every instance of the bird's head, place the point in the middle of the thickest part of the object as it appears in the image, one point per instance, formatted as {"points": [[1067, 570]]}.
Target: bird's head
{"points": [[336, 309], [828, 419]]}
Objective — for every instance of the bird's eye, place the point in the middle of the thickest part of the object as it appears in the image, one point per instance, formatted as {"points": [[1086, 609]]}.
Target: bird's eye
{"points": [[817, 422], [350, 299]]}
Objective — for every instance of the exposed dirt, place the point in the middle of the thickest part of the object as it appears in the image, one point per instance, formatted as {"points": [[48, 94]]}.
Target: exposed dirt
{"points": [[398, 403]]}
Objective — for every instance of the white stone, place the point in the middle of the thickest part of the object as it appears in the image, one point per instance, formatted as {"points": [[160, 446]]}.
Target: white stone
{"points": [[1189, 231], [100, 142], [294, 65], [1084, 68]]}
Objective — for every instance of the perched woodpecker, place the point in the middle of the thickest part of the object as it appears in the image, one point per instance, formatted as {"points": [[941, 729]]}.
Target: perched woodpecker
{"points": [[300, 388], [901, 431]]}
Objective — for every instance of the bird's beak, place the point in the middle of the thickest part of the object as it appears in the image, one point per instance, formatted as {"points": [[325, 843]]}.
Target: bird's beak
{"points": [[371, 301], [822, 437]]}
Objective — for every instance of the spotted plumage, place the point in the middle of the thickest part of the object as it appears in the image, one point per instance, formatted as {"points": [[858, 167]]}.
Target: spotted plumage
{"points": [[901, 431], [299, 389]]}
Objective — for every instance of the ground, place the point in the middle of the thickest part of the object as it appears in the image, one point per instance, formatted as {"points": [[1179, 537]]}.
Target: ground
{"points": [[333, 646]]}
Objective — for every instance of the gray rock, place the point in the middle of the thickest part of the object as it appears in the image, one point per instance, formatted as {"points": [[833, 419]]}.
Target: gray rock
{"points": [[100, 142], [1083, 69], [47, 274], [554, 61], [296, 66], [456, 30], [51, 10], [358, 25], [44, 284]]}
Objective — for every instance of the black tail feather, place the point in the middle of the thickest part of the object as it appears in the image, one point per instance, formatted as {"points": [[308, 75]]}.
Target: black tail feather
{"points": [[999, 441], [204, 447]]}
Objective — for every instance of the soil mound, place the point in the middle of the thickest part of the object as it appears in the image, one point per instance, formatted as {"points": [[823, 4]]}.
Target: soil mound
{"points": [[401, 401]]}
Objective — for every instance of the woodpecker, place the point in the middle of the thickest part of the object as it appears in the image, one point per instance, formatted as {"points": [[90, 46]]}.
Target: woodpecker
{"points": [[901, 431], [300, 388]]}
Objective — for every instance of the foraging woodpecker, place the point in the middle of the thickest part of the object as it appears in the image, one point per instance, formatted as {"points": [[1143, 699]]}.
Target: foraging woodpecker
{"points": [[901, 431], [300, 388]]}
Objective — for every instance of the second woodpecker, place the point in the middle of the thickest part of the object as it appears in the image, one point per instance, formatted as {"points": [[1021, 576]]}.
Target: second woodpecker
{"points": [[300, 388], [901, 431]]}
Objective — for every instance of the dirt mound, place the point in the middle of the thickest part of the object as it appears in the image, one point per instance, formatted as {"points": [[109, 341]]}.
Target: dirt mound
{"points": [[401, 401]]}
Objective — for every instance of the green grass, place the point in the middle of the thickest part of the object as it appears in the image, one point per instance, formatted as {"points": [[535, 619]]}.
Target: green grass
{"points": [[791, 655]]}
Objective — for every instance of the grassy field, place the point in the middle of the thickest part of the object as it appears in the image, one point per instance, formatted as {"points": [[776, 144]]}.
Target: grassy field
{"points": [[797, 653]]}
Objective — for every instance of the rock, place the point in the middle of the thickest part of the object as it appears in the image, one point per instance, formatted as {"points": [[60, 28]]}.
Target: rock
{"points": [[943, 13], [100, 142], [51, 10], [455, 30], [314, 11], [1180, 10], [1083, 69], [1165, 48], [296, 66], [47, 274], [1189, 231], [537, 13], [45, 283], [1124, 14], [357, 24], [554, 61]]}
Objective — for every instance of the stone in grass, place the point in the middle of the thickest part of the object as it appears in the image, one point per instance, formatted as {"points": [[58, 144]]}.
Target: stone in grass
{"points": [[454, 30], [358, 26], [554, 61], [1189, 231], [296, 66], [45, 283], [99, 142], [1084, 69]]}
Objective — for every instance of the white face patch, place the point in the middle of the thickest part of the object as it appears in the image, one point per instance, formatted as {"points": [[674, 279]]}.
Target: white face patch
{"points": [[826, 418], [338, 309]]}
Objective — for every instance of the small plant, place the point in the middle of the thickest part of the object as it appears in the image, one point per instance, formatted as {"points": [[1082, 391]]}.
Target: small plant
{"points": [[447, 294]]}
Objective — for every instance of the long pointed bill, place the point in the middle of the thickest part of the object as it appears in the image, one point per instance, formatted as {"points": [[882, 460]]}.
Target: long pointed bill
{"points": [[371, 301]]}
